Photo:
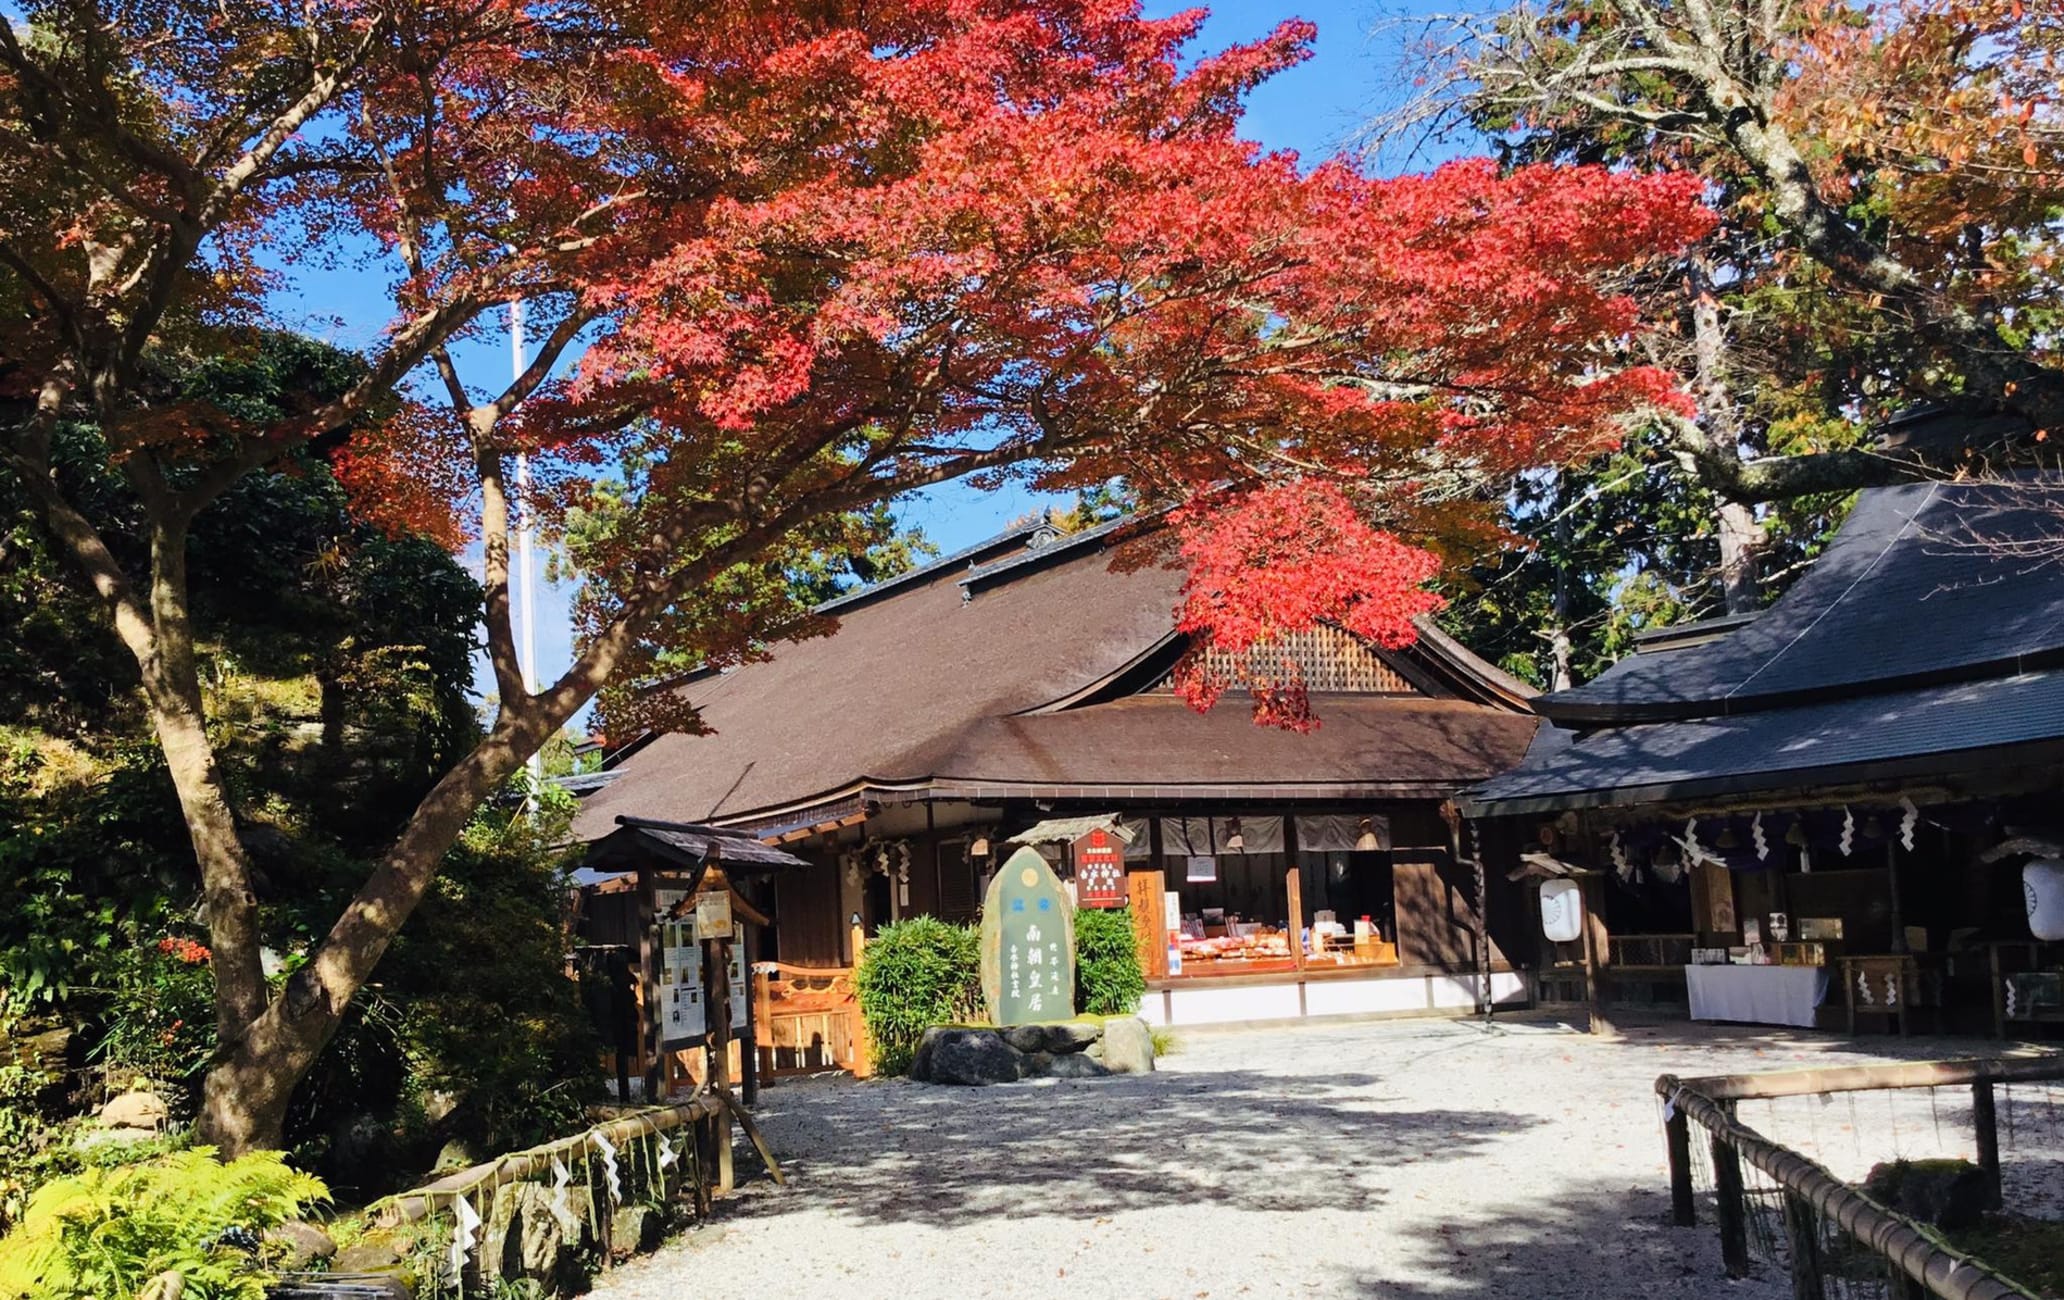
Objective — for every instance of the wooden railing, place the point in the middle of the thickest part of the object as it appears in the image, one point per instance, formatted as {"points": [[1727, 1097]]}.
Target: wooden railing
{"points": [[1652, 950], [807, 1020], [1914, 1253]]}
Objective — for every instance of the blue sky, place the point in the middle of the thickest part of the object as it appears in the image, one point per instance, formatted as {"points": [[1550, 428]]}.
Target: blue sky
{"points": [[1314, 109]]}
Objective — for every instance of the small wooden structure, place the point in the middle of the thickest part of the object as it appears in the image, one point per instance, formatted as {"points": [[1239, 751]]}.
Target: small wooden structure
{"points": [[1850, 781], [679, 896]]}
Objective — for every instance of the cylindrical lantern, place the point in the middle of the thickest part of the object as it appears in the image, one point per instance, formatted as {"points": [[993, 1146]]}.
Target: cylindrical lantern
{"points": [[1562, 911], [2042, 881]]}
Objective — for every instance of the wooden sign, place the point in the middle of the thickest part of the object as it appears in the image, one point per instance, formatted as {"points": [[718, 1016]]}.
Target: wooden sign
{"points": [[1028, 944], [1099, 870], [713, 914]]}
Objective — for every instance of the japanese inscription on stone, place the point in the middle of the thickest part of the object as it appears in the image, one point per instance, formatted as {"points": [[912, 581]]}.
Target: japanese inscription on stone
{"points": [[1028, 944]]}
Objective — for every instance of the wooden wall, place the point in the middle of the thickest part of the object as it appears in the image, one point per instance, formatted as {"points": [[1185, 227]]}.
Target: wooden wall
{"points": [[808, 928]]}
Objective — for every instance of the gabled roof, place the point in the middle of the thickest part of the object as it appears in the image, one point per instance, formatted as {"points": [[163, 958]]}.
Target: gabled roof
{"points": [[1924, 583], [1017, 673], [1927, 641]]}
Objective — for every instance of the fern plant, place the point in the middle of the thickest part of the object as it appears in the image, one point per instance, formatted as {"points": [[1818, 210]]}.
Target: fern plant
{"points": [[106, 1234]]}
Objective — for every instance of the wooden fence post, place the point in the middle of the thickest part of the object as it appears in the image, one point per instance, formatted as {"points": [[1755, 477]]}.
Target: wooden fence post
{"points": [[1733, 1208], [1683, 1204], [1986, 1121], [1804, 1239]]}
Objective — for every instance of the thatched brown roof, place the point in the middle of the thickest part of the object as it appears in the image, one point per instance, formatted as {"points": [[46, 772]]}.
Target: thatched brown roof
{"points": [[939, 682]]}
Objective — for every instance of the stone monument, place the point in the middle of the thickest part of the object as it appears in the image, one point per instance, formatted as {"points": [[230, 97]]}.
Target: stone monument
{"points": [[1028, 943]]}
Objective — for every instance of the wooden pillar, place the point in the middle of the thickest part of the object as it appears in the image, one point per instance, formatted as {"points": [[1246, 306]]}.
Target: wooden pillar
{"points": [[1683, 1201], [650, 1039], [1293, 882], [1594, 940], [716, 962], [1733, 1208], [748, 1042], [1986, 1121], [863, 1045], [1898, 908], [1803, 1238]]}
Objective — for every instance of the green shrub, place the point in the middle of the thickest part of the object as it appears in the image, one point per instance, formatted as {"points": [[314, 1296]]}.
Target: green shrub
{"points": [[915, 974], [1108, 977], [104, 1234]]}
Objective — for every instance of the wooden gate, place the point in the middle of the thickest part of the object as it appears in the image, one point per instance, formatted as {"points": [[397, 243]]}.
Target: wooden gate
{"points": [[807, 1021]]}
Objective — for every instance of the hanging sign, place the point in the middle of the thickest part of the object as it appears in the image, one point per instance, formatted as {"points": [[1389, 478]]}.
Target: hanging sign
{"points": [[1201, 866], [713, 914], [1028, 943], [1099, 870]]}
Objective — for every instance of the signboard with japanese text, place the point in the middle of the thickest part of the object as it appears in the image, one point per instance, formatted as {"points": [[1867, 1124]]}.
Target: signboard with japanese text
{"points": [[1028, 943], [684, 1018], [1099, 869]]}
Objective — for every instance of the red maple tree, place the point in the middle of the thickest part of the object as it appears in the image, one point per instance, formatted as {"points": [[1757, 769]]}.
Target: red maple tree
{"points": [[789, 260]]}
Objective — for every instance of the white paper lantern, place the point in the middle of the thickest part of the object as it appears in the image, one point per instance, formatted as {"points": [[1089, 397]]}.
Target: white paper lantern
{"points": [[1562, 911], [2042, 882]]}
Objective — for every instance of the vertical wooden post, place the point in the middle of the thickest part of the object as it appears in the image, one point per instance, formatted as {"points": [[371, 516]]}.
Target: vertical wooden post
{"points": [[1293, 882], [1804, 1239], [748, 1042], [1986, 1121], [1733, 1208], [716, 960], [863, 1045], [1683, 1202], [1601, 1023], [649, 1011]]}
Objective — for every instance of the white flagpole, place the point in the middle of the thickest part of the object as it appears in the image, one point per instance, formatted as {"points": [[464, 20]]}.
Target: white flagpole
{"points": [[526, 604]]}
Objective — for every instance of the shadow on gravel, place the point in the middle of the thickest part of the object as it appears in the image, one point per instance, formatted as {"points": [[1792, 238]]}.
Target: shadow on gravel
{"points": [[1593, 1242], [1082, 1149]]}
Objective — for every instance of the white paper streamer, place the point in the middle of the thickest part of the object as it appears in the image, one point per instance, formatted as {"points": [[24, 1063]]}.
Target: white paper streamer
{"points": [[609, 1167], [1691, 844], [1756, 834], [1911, 819], [1619, 858], [667, 1154], [1848, 840], [464, 1234], [562, 1196]]}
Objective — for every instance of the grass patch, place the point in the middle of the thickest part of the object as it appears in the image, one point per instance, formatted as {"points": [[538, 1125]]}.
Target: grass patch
{"points": [[2030, 1251]]}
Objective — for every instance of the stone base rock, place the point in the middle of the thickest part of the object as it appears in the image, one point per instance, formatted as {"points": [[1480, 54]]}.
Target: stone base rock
{"points": [[635, 1229], [1128, 1046], [374, 1253], [1068, 1049], [1072, 1065], [967, 1056]]}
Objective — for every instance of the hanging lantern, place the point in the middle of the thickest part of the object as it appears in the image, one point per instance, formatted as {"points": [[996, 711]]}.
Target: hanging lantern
{"points": [[1562, 911], [1235, 842], [2042, 882]]}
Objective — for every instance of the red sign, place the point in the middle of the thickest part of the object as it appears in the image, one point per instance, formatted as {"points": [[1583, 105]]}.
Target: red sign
{"points": [[1099, 870]]}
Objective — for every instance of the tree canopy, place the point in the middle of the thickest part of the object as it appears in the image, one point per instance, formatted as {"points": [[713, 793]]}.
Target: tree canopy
{"points": [[790, 260]]}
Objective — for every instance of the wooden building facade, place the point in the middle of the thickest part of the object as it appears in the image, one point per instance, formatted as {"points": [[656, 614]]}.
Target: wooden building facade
{"points": [[1020, 689], [1845, 811]]}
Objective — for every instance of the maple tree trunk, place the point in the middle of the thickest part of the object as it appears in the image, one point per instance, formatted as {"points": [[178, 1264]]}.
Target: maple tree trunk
{"points": [[245, 1096]]}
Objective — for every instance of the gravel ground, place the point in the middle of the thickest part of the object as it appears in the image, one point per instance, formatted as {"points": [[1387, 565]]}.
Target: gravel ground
{"points": [[1396, 1159]]}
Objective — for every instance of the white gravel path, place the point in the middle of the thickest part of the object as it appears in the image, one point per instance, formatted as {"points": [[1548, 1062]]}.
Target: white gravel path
{"points": [[1395, 1159]]}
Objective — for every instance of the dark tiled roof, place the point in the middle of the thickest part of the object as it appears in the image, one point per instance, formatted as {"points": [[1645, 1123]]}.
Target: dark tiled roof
{"points": [[1917, 732], [1926, 582]]}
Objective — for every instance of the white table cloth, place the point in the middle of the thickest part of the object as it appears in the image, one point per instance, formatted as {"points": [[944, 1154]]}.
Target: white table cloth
{"points": [[1759, 995]]}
